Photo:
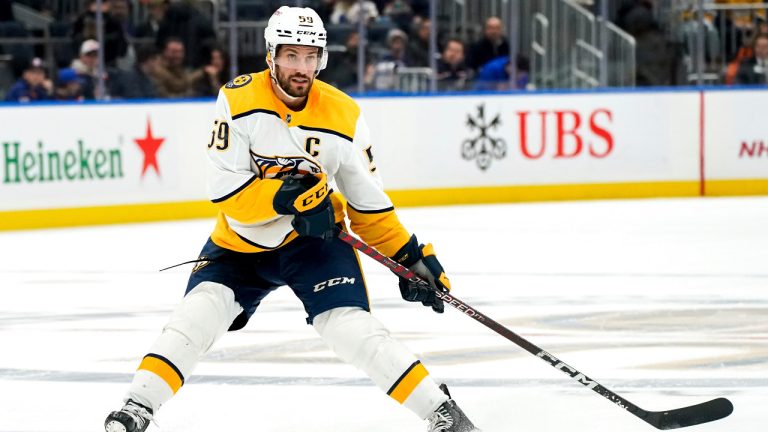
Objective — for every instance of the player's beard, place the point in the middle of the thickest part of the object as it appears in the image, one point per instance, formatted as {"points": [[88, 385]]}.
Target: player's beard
{"points": [[291, 88]]}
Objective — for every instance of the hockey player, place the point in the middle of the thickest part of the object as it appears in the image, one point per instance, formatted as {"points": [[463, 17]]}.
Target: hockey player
{"points": [[283, 148]]}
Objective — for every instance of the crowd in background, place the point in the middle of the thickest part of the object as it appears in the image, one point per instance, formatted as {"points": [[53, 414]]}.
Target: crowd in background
{"points": [[481, 65], [732, 42], [172, 53], [173, 50]]}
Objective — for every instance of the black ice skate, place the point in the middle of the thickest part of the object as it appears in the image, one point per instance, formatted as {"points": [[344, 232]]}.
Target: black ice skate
{"points": [[133, 417], [448, 417]]}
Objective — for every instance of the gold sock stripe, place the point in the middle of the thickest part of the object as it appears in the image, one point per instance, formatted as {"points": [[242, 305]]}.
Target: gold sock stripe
{"points": [[163, 368], [408, 381]]}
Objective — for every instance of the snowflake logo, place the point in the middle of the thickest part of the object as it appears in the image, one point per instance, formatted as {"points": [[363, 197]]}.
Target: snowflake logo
{"points": [[483, 147]]}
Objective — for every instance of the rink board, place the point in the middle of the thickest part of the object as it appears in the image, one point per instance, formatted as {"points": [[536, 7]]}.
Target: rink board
{"points": [[64, 165], [736, 143]]}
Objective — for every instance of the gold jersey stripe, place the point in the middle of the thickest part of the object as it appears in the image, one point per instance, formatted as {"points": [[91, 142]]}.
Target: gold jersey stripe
{"points": [[408, 382], [223, 235], [244, 205], [163, 368], [336, 114]]}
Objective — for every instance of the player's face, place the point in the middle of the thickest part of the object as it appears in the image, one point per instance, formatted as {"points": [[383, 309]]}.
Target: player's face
{"points": [[295, 67]]}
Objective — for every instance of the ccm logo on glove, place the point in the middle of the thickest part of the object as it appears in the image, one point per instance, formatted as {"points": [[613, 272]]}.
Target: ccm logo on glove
{"points": [[307, 198], [311, 198], [300, 194]]}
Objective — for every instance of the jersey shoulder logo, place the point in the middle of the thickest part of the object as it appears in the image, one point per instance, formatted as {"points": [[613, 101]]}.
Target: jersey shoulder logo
{"points": [[239, 81], [280, 166], [200, 263]]}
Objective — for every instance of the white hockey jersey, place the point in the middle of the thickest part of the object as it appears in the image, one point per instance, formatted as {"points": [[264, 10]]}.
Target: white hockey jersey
{"points": [[256, 140]]}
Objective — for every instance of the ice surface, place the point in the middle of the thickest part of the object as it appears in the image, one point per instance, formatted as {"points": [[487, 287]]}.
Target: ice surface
{"points": [[663, 301]]}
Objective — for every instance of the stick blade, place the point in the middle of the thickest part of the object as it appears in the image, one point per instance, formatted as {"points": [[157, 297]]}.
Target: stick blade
{"points": [[715, 409]]}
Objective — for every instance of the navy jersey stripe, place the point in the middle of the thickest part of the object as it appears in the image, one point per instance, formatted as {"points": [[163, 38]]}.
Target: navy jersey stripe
{"points": [[236, 191], [255, 111], [388, 209], [328, 131]]}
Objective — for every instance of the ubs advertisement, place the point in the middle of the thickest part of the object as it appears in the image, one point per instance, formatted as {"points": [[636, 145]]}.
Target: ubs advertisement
{"points": [[535, 139]]}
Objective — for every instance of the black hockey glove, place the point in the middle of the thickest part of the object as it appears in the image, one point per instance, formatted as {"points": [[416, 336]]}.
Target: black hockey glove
{"points": [[421, 260], [307, 199]]}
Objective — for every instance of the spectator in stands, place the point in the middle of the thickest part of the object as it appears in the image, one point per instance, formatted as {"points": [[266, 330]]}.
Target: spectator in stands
{"points": [[348, 11], [172, 78], [84, 28], [184, 22], [137, 83], [32, 86], [342, 67], [386, 68], [627, 12], [655, 57], [151, 25], [418, 47], [86, 66], [120, 10], [214, 74], [69, 87], [746, 50], [495, 75], [491, 46], [762, 27], [420, 8], [325, 9], [88, 59], [399, 12], [753, 70], [733, 34], [452, 72], [397, 42]]}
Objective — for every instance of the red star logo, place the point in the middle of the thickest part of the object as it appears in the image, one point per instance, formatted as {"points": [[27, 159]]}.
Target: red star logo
{"points": [[149, 146]]}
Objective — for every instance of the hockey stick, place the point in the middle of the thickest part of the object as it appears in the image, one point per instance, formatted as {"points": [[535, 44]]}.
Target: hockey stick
{"points": [[673, 419]]}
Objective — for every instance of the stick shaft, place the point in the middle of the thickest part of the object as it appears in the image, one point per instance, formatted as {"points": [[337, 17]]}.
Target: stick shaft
{"points": [[478, 316], [712, 410]]}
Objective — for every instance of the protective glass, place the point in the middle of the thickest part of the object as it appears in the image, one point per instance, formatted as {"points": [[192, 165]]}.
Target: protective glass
{"points": [[302, 61]]}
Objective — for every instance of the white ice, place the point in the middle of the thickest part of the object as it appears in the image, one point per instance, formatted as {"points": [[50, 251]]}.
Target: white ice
{"points": [[663, 301]]}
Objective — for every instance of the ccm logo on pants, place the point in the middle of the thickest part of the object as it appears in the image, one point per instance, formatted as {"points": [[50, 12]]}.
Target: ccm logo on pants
{"points": [[335, 281]]}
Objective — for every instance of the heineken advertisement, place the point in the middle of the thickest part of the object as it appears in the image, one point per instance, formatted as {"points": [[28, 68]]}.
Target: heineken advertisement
{"points": [[41, 165], [102, 154]]}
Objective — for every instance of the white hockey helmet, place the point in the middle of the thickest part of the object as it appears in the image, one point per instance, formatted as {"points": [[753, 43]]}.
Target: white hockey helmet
{"points": [[296, 26]]}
